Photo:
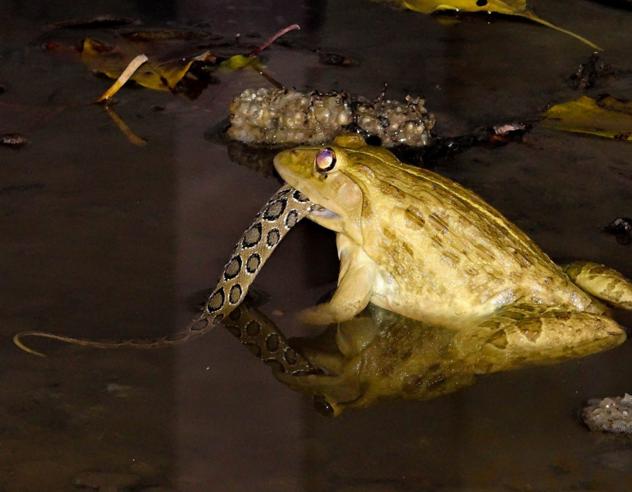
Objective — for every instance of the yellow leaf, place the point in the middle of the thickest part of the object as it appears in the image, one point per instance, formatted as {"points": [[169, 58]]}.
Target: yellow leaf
{"points": [[516, 8], [162, 75], [611, 103], [608, 117], [237, 62]]}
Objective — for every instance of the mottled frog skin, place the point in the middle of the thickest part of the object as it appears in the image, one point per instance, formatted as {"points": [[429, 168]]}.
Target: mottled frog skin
{"points": [[421, 245], [380, 355]]}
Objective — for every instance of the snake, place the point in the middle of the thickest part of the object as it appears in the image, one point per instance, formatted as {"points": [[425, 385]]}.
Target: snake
{"points": [[283, 210]]}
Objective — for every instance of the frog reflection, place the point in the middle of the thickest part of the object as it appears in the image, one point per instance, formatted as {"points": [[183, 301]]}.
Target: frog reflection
{"points": [[381, 355]]}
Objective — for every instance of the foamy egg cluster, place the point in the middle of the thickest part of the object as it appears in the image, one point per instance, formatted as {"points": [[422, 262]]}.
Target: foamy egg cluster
{"points": [[275, 116]]}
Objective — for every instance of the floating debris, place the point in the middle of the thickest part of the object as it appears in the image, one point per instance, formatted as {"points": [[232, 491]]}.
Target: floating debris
{"points": [[334, 59], [13, 140], [281, 116], [621, 228], [165, 60], [587, 74], [609, 414]]}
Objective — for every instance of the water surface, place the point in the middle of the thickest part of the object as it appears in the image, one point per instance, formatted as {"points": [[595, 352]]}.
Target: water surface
{"points": [[101, 238]]}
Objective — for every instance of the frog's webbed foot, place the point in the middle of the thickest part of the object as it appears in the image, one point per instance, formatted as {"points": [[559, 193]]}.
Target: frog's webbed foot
{"points": [[524, 334], [331, 388], [602, 282]]}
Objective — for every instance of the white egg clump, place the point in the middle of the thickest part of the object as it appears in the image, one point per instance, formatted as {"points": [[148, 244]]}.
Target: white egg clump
{"points": [[609, 414], [276, 116]]}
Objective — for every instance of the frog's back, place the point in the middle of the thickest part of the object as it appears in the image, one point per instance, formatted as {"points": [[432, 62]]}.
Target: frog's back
{"points": [[443, 248]]}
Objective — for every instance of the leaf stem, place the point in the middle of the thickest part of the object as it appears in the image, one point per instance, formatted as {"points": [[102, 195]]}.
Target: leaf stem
{"points": [[273, 38], [123, 78], [532, 17]]}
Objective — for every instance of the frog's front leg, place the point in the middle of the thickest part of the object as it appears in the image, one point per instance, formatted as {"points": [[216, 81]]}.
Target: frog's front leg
{"points": [[355, 287], [524, 334]]}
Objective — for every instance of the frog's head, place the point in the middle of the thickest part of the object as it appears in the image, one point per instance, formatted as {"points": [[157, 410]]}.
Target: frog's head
{"points": [[336, 177]]}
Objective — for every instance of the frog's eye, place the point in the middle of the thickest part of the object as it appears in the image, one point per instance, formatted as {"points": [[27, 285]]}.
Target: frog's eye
{"points": [[322, 406], [325, 160]]}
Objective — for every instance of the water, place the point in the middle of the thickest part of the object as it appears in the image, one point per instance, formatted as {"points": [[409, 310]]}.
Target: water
{"points": [[102, 238]]}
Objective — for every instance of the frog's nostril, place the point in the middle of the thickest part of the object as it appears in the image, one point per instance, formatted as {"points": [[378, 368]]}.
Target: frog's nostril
{"points": [[322, 406]]}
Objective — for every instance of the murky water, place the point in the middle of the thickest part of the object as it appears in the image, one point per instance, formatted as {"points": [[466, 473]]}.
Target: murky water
{"points": [[102, 238]]}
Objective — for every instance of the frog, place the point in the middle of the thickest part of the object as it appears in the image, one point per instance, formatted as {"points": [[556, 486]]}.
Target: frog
{"points": [[380, 355], [423, 246]]}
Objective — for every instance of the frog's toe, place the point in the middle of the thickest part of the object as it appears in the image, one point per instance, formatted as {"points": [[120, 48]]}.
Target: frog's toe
{"points": [[522, 334]]}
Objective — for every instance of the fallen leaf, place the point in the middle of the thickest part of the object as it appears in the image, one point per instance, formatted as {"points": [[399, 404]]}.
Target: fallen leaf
{"points": [[237, 62], [517, 8], [161, 74], [607, 117], [614, 104], [161, 59]]}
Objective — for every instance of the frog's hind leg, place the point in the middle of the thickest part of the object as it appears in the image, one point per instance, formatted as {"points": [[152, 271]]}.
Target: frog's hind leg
{"points": [[524, 334], [602, 282]]}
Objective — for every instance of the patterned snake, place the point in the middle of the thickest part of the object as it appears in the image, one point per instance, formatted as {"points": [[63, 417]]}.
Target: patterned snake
{"points": [[271, 224]]}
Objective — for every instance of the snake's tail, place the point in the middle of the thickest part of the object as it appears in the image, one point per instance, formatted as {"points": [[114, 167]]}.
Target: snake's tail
{"points": [[197, 327], [280, 214]]}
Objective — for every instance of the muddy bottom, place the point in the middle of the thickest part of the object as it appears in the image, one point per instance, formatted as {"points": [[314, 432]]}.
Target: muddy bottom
{"points": [[103, 238]]}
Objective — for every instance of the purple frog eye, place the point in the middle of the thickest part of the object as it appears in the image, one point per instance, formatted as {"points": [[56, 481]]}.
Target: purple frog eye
{"points": [[325, 160]]}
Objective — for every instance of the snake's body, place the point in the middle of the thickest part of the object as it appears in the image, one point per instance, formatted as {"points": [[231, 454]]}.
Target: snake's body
{"points": [[280, 214]]}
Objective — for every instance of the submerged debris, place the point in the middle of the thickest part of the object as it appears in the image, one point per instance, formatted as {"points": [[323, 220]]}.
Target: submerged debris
{"points": [[609, 414], [279, 116], [13, 140], [621, 228], [587, 74], [334, 59]]}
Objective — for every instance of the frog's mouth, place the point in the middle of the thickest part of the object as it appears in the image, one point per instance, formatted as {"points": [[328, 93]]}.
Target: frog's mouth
{"points": [[318, 211], [326, 217]]}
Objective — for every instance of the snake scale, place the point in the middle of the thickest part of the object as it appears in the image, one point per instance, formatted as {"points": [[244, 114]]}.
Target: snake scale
{"points": [[271, 224]]}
